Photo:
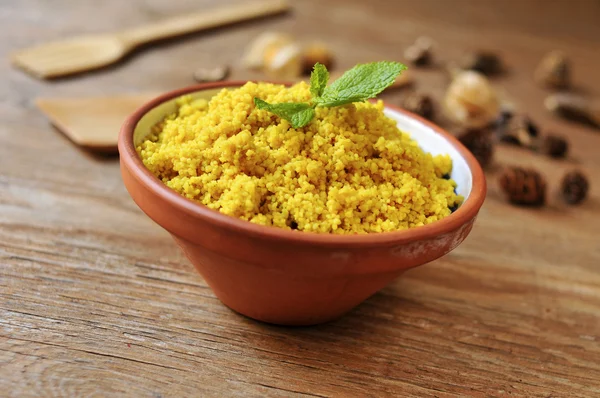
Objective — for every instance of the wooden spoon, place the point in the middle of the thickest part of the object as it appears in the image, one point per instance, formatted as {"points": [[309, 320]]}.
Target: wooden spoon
{"points": [[91, 52]]}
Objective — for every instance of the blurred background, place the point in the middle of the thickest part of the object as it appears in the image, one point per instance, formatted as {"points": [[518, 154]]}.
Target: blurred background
{"points": [[514, 308]]}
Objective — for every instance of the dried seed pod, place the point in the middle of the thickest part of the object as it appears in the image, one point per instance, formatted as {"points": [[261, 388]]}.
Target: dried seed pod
{"points": [[284, 62], [417, 56], [419, 103], [484, 62], [523, 186], [506, 113], [575, 187], [316, 52], [519, 130], [204, 75], [419, 53], [554, 70], [471, 101], [480, 143], [574, 107], [424, 42], [555, 146]]}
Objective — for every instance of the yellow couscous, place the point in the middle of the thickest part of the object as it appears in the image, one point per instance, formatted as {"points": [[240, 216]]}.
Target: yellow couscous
{"points": [[351, 170]]}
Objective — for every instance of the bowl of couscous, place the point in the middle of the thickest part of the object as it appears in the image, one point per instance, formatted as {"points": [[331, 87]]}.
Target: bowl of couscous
{"points": [[297, 226]]}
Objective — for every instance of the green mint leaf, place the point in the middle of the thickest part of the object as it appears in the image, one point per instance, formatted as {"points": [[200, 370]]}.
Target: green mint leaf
{"points": [[302, 118], [360, 83], [299, 114], [318, 80]]}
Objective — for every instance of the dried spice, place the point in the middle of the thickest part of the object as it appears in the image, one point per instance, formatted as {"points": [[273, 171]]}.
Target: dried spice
{"points": [[574, 107], [519, 130], [554, 70], [480, 143], [481, 61], [205, 75], [471, 101], [503, 118], [575, 187], [523, 186], [419, 103], [555, 146], [419, 53], [316, 52]]}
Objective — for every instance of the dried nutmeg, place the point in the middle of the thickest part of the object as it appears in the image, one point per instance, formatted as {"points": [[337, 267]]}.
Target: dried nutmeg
{"points": [[480, 143], [316, 52], [471, 101], [554, 70], [419, 53], [481, 61], [574, 107], [204, 75], [555, 146], [519, 130], [419, 103], [523, 186], [575, 187]]}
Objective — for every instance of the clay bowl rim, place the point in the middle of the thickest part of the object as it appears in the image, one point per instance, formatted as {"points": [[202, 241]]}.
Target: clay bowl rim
{"points": [[467, 211]]}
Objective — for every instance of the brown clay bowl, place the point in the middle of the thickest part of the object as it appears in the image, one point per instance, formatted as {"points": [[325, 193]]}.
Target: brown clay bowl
{"points": [[291, 277]]}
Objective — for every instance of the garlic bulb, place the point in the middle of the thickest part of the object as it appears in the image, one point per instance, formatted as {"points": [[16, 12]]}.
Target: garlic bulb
{"points": [[471, 101], [254, 57], [284, 62]]}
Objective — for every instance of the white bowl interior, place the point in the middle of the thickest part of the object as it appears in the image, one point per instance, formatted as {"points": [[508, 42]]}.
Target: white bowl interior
{"points": [[434, 143], [425, 136]]}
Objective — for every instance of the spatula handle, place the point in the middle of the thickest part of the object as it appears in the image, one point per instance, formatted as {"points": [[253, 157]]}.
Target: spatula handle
{"points": [[202, 20]]}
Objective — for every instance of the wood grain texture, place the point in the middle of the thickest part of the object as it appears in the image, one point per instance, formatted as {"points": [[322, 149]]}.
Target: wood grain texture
{"points": [[96, 300]]}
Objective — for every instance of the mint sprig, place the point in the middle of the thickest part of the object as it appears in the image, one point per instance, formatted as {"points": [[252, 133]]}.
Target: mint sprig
{"points": [[318, 80], [358, 84], [297, 113]]}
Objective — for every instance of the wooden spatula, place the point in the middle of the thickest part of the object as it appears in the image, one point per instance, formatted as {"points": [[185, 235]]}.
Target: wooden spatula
{"points": [[91, 52], [94, 122]]}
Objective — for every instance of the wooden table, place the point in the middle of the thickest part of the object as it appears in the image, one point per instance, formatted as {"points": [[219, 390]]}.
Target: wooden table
{"points": [[96, 299]]}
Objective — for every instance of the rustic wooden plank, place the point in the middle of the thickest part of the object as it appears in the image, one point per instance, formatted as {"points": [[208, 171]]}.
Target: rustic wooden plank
{"points": [[95, 299]]}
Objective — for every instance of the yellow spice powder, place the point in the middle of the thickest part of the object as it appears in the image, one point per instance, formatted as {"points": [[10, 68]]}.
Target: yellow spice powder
{"points": [[351, 170]]}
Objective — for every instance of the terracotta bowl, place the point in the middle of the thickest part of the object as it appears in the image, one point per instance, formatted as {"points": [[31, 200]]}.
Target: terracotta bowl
{"points": [[291, 277]]}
